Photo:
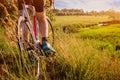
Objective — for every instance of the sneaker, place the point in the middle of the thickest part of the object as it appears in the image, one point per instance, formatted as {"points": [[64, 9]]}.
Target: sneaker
{"points": [[47, 48]]}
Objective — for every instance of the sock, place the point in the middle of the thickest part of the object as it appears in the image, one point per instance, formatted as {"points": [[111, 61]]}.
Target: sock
{"points": [[44, 39]]}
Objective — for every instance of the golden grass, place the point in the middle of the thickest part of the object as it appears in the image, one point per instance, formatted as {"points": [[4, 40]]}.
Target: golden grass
{"points": [[76, 59]]}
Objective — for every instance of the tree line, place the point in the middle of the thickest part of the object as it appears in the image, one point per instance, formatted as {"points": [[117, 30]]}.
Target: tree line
{"points": [[68, 12], [9, 8]]}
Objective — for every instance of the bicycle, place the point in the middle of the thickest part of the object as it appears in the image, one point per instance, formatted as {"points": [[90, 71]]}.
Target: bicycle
{"points": [[24, 23]]}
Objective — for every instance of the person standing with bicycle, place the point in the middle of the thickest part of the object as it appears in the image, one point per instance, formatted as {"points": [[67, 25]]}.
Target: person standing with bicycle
{"points": [[41, 16]]}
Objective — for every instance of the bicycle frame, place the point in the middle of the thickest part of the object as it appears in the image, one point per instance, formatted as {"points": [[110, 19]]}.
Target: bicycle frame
{"points": [[34, 29]]}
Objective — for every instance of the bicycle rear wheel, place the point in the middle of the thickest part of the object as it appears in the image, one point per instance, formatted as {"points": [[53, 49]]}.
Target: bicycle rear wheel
{"points": [[51, 35]]}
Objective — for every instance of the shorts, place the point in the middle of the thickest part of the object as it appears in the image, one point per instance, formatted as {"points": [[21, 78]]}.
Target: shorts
{"points": [[38, 4]]}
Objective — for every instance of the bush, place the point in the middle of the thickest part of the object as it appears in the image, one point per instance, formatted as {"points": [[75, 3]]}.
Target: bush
{"points": [[73, 28]]}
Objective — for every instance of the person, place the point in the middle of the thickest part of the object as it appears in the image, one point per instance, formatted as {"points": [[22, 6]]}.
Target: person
{"points": [[41, 16]]}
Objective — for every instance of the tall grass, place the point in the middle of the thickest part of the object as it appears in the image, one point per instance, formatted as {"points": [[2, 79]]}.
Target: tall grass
{"points": [[85, 62], [77, 58]]}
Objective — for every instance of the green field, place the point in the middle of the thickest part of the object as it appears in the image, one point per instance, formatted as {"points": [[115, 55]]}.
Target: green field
{"points": [[91, 52], [67, 20], [85, 51]]}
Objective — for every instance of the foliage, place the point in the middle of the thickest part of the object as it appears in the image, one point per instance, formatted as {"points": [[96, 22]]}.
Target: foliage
{"points": [[108, 35], [50, 14], [3, 11], [69, 12], [72, 24], [90, 53]]}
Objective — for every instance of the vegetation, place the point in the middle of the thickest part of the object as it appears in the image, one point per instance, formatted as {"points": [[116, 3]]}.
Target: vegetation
{"points": [[71, 24], [69, 12], [85, 50], [84, 55]]}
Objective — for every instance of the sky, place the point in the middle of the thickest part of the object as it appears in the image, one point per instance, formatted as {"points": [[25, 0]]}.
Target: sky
{"points": [[88, 5]]}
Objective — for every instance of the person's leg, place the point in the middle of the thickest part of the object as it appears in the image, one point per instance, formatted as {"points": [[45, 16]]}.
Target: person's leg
{"points": [[43, 24], [44, 32], [41, 16], [20, 4]]}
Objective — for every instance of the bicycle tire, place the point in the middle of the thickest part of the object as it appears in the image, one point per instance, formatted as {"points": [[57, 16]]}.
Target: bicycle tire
{"points": [[29, 58], [51, 34], [23, 43]]}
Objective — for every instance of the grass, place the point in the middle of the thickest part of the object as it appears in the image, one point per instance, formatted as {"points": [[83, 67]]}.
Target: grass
{"points": [[85, 62], [102, 37], [71, 24], [84, 20], [91, 52], [82, 55]]}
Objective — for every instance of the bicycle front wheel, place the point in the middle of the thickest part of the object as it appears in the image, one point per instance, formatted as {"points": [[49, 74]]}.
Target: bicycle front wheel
{"points": [[25, 42], [21, 27]]}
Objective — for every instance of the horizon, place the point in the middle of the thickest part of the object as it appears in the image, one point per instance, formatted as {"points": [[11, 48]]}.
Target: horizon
{"points": [[90, 10], [88, 6]]}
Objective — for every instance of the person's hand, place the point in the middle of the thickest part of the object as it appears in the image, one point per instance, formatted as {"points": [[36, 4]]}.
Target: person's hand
{"points": [[51, 2]]}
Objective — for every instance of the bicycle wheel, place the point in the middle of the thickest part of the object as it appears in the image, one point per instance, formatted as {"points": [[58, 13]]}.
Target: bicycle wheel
{"points": [[20, 34], [51, 35], [25, 41]]}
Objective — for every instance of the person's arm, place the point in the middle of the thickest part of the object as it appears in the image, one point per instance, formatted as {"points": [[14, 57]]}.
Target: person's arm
{"points": [[51, 2]]}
